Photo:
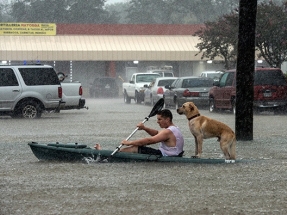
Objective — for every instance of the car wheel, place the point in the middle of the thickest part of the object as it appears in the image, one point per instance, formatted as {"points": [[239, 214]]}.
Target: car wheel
{"points": [[137, 99], [233, 107], [151, 101], [58, 110], [30, 110], [127, 99], [280, 110], [211, 105], [145, 102], [176, 105], [164, 104]]}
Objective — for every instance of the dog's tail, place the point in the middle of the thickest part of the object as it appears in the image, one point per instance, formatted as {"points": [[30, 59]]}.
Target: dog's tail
{"points": [[232, 148]]}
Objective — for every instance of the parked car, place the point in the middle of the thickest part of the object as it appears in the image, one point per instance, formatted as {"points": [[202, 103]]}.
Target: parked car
{"points": [[270, 90], [155, 90], [104, 87], [215, 75], [188, 89]]}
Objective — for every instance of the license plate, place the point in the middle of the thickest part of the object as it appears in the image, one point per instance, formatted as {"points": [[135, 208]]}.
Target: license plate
{"points": [[267, 94], [204, 94]]}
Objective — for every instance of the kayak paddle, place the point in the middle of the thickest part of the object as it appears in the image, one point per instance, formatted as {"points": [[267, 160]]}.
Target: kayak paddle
{"points": [[156, 108]]}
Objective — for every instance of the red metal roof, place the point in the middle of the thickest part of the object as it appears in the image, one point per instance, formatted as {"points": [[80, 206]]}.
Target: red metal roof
{"points": [[126, 29]]}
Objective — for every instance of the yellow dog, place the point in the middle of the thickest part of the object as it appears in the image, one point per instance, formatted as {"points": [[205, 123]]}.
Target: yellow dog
{"points": [[203, 127]]}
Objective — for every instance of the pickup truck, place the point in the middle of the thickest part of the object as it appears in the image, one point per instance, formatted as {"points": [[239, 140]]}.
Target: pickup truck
{"points": [[71, 94], [134, 89]]}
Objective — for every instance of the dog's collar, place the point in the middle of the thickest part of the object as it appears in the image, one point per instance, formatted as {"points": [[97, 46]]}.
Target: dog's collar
{"points": [[193, 117]]}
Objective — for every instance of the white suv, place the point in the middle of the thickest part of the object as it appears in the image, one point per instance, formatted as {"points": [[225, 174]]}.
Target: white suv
{"points": [[28, 90]]}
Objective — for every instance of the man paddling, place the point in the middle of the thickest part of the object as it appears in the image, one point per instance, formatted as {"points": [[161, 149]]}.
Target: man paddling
{"points": [[170, 138]]}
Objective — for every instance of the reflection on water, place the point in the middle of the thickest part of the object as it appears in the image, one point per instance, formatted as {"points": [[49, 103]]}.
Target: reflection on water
{"points": [[91, 160]]}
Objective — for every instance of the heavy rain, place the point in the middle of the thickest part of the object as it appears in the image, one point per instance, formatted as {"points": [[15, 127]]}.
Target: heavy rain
{"points": [[254, 184]]}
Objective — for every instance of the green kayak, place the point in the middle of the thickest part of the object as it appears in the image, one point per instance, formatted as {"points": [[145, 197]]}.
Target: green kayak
{"points": [[74, 152]]}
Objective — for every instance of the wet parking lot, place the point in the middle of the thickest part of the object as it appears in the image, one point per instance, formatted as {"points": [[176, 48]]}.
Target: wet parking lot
{"points": [[29, 186]]}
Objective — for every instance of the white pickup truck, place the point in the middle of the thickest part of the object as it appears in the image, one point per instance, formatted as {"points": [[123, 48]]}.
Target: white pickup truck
{"points": [[72, 93], [134, 89]]}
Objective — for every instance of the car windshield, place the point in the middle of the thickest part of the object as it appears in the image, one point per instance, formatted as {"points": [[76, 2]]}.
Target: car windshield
{"points": [[195, 82], [269, 77], [165, 82], [146, 78], [214, 75]]}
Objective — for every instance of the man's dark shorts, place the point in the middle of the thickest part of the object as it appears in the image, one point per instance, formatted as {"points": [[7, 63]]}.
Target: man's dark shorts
{"points": [[148, 150]]}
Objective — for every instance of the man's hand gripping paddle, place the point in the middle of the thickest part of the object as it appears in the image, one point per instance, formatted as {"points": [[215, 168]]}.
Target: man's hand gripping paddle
{"points": [[156, 108]]}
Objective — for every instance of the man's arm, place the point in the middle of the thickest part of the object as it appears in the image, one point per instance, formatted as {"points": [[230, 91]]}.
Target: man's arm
{"points": [[150, 131], [161, 136]]}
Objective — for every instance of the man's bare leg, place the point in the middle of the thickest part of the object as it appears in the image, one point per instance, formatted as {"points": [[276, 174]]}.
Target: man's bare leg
{"points": [[131, 149]]}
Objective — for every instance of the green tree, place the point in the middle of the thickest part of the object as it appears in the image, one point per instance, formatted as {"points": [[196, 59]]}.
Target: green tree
{"points": [[210, 10], [4, 13], [118, 11], [39, 11], [145, 11], [61, 11], [88, 11], [177, 11], [271, 33], [133, 11], [48, 11], [219, 38], [19, 12], [1, 11]]}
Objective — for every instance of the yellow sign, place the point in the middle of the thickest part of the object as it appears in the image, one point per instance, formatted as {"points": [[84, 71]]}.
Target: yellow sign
{"points": [[27, 29]]}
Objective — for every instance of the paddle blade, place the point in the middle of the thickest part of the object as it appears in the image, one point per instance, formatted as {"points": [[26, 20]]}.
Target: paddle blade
{"points": [[157, 107]]}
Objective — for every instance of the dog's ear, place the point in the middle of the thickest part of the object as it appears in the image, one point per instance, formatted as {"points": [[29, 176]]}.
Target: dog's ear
{"points": [[191, 107]]}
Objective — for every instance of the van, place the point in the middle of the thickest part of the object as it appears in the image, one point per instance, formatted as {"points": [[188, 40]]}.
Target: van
{"points": [[270, 90]]}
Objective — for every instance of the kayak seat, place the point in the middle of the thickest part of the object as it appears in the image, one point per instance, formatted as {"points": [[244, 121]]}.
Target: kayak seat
{"points": [[180, 154]]}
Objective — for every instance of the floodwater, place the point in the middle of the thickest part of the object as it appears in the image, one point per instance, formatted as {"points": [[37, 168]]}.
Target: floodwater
{"points": [[29, 186]]}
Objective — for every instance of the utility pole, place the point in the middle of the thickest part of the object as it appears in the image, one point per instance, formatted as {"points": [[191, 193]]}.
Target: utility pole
{"points": [[245, 70]]}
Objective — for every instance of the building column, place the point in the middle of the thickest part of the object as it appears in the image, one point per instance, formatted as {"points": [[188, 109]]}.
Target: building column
{"points": [[111, 69]]}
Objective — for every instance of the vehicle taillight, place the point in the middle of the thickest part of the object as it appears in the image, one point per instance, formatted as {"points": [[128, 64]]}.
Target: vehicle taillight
{"points": [[159, 90], [187, 93], [60, 92], [81, 90]]}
